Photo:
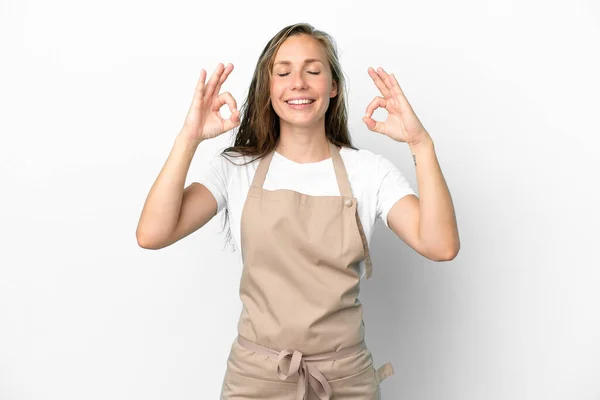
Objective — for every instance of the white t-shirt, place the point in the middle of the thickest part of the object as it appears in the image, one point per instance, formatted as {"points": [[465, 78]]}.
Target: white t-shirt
{"points": [[376, 183]]}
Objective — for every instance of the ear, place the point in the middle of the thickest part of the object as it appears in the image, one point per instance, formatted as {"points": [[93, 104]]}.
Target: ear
{"points": [[334, 89]]}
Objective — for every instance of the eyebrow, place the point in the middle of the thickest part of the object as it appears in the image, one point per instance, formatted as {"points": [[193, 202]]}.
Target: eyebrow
{"points": [[307, 61]]}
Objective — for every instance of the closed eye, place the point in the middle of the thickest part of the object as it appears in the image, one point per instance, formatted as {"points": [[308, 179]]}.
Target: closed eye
{"points": [[310, 72]]}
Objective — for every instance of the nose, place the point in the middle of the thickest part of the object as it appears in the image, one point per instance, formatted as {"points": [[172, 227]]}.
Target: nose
{"points": [[298, 81]]}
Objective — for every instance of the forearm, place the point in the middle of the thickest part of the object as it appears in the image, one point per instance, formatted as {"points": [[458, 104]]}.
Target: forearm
{"points": [[437, 222], [163, 204]]}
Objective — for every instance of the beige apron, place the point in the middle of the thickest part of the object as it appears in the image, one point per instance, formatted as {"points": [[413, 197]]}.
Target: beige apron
{"points": [[301, 332]]}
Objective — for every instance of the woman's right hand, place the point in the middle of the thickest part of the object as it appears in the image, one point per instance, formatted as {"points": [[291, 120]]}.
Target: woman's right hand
{"points": [[203, 120]]}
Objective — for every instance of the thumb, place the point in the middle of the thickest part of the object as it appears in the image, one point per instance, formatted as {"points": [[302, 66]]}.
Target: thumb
{"points": [[373, 125], [233, 121]]}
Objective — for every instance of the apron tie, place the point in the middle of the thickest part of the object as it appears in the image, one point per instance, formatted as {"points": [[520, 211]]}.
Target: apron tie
{"points": [[300, 364], [307, 375]]}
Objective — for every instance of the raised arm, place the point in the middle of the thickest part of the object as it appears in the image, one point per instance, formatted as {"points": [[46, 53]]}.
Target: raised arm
{"points": [[428, 223], [170, 212]]}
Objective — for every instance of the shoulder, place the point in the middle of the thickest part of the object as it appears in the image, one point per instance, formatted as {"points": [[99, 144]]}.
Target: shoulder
{"points": [[371, 168], [362, 167], [362, 156], [361, 160]]}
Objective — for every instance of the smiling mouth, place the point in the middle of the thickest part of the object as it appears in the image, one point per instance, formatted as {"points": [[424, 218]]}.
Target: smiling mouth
{"points": [[301, 103]]}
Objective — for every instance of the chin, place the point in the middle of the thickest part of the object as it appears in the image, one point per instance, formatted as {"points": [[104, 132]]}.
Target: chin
{"points": [[303, 123], [300, 120]]}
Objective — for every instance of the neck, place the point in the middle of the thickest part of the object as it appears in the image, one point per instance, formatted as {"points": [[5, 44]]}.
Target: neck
{"points": [[303, 145]]}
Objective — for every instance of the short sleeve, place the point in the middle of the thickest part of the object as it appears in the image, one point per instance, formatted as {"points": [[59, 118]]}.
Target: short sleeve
{"points": [[392, 187], [215, 175]]}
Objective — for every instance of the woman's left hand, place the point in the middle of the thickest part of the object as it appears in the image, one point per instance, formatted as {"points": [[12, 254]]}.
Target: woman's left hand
{"points": [[402, 123]]}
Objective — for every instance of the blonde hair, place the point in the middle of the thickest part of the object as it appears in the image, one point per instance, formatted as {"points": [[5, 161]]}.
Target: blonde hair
{"points": [[258, 131]]}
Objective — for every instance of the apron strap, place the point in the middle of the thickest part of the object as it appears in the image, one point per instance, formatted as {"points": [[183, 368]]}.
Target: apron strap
{"points": [[385, 371], [340, 171], [346, 191], [261, 171], [368, 263]]}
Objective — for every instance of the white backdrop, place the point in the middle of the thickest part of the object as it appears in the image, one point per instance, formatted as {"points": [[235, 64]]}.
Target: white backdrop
{"points": [[93, 94]]}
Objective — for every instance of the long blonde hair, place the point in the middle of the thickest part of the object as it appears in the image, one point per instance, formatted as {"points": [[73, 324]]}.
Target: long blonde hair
{"points": [[258, 132]]}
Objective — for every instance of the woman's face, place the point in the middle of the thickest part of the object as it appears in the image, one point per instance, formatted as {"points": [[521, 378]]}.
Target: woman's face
{"points": [[295, 77]]}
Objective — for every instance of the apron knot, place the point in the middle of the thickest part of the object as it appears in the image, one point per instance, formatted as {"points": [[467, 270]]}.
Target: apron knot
{"points": [[307, 375]]}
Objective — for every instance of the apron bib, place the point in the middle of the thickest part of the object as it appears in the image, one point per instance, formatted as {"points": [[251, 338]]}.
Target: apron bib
{"points": [[301, 332]]}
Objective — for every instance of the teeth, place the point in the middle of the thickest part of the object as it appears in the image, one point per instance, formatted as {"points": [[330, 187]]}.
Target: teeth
{"points": [[300, 102]]}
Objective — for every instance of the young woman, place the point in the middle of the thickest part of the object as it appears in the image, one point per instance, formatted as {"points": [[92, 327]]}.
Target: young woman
{"points": [[301, 206]]}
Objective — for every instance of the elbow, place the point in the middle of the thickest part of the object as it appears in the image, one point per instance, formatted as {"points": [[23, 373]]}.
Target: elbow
{"points": [[146, 241], [440, 256], [142, 242], [444, 248], [450, 254], [451, 249]]}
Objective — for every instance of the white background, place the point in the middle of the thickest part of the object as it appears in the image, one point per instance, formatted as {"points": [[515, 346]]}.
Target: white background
{"points": [[92, 95]]}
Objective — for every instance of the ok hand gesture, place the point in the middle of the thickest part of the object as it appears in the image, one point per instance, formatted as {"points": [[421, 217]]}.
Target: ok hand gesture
{"points": [[402, 123], [203, 120]]}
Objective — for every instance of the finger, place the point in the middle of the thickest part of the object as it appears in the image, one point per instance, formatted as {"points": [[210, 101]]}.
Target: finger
{"points": [[385, 78], [199, 88], [375, 126], [234, 119], [212, 83], [398, 90], [379, 82], [201, 81], [226, 98], [375, 104], [223, 78]]}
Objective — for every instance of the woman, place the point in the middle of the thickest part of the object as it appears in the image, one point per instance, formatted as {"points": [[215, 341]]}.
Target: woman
{"points": [[301, 205]]}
